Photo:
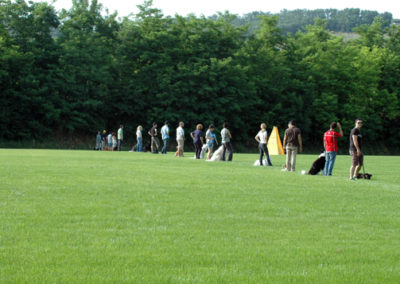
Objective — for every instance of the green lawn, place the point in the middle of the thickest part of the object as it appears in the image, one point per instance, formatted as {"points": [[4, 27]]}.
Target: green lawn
{"points": [[96, 217]]}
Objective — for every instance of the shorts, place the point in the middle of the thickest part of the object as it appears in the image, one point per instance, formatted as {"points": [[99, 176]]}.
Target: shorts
{"points": [[109, 145], [355, 159], [180, 144], [210, 144]]}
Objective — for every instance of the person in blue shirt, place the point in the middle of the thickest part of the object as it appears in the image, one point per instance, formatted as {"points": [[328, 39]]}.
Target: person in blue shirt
{"points": [[98, 141], [165, 137], [211, 139]]}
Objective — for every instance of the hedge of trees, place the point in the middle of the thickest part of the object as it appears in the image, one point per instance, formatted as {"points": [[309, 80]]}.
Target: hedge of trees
{"points": [[78, 71], [337, 20]]}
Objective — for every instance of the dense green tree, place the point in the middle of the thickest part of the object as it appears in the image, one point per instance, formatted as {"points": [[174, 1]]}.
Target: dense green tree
{"points": [[74, 73], [89, 76], [30, 91]]}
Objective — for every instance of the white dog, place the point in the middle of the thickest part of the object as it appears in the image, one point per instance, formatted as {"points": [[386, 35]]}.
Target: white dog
{"points": [[217, 156], [203, 151], [257, 163]]}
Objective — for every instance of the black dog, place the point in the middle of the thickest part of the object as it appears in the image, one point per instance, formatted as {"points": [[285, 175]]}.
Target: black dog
{"points": [[318, 165], [364, 176]]}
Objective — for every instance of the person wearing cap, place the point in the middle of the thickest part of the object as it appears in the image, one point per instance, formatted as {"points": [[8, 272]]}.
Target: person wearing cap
{"points": [[165, 137]]}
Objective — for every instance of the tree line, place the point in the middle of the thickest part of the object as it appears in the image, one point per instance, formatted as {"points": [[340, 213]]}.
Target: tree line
{"points": [[78, 71], [343, 21]]}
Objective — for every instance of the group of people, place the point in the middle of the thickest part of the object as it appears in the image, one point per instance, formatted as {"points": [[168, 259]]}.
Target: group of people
{"points": [[292, 143], [111, 141], [155, 144], [211, 140]]}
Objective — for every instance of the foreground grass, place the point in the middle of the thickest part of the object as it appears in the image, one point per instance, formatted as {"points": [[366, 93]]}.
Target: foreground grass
{"points": [[85, 216]]}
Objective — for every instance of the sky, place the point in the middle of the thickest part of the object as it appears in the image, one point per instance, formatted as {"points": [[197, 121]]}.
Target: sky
{"points": [[210, 7]]}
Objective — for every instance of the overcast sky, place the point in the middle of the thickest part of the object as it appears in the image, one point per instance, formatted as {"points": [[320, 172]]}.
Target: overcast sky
{"points": [[209, 7]]}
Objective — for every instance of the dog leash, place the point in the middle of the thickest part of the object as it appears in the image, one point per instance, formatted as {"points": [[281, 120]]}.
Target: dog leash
{"points": [[363, 168]]}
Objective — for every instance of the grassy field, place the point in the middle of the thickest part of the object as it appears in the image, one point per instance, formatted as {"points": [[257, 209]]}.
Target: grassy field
{"points": [[99, 217]]}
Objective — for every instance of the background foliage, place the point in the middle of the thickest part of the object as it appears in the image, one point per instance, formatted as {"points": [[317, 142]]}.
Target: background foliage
{"points": [[75, 72]]}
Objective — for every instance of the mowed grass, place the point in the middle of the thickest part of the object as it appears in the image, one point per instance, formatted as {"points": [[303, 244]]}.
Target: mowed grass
{"points": [[100, 217]]}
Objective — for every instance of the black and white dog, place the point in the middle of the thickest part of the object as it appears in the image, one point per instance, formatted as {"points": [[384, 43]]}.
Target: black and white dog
{"points": [[364, 176], [318, 165]]}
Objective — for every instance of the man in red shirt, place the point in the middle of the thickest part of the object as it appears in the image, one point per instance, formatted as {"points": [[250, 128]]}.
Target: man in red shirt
{"points": [[331, 147]]}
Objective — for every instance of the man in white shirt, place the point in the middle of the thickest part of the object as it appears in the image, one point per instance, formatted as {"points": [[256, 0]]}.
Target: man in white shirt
{"points": [[109, 141], [120, 134], [165, 137], [180, 139]]}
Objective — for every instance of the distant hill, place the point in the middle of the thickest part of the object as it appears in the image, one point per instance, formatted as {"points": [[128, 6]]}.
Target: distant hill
{"points": [[339, 21]]}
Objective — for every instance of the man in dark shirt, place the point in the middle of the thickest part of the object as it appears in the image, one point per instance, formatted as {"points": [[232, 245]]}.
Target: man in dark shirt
{"points": [[291, 144], [357, 157], [155, 143], [103, 140], [197, 137]]}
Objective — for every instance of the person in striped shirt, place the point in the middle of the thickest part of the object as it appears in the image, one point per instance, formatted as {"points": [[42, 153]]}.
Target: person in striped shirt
{"points": [[331, 146]]}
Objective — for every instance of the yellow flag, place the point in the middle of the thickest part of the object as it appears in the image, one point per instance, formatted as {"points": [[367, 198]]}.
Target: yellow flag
{"points": [[274, 143]]}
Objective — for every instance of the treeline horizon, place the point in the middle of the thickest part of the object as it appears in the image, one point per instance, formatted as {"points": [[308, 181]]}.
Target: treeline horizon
{"points": [[99, 72], [292, 21]]}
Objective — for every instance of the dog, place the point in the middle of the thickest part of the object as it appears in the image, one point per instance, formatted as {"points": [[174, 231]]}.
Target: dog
{"points": [[217, 156], [318, 165], [203, 151], [257, 163], [364, 176]]}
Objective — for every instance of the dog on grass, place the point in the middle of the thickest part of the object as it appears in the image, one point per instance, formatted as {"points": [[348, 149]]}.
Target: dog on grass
{"points": [[203, 152], [217, 156], [318, 165], [257, 163], [364, 176]]}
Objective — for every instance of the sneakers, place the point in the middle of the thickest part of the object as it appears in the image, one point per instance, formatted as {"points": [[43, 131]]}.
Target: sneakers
{"points": [[353, 178]]}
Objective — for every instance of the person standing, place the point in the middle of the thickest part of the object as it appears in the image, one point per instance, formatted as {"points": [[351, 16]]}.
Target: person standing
{"points": [[98, 141], [120, 134], [331, 147], [262, 139], [226, 142], [109, 141], [165, 137], [357, 157], [114, 142], [211, 139], [155, 143], [180, 139], [103, 140], [292, 143], [139, 138], [197, 137]]}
